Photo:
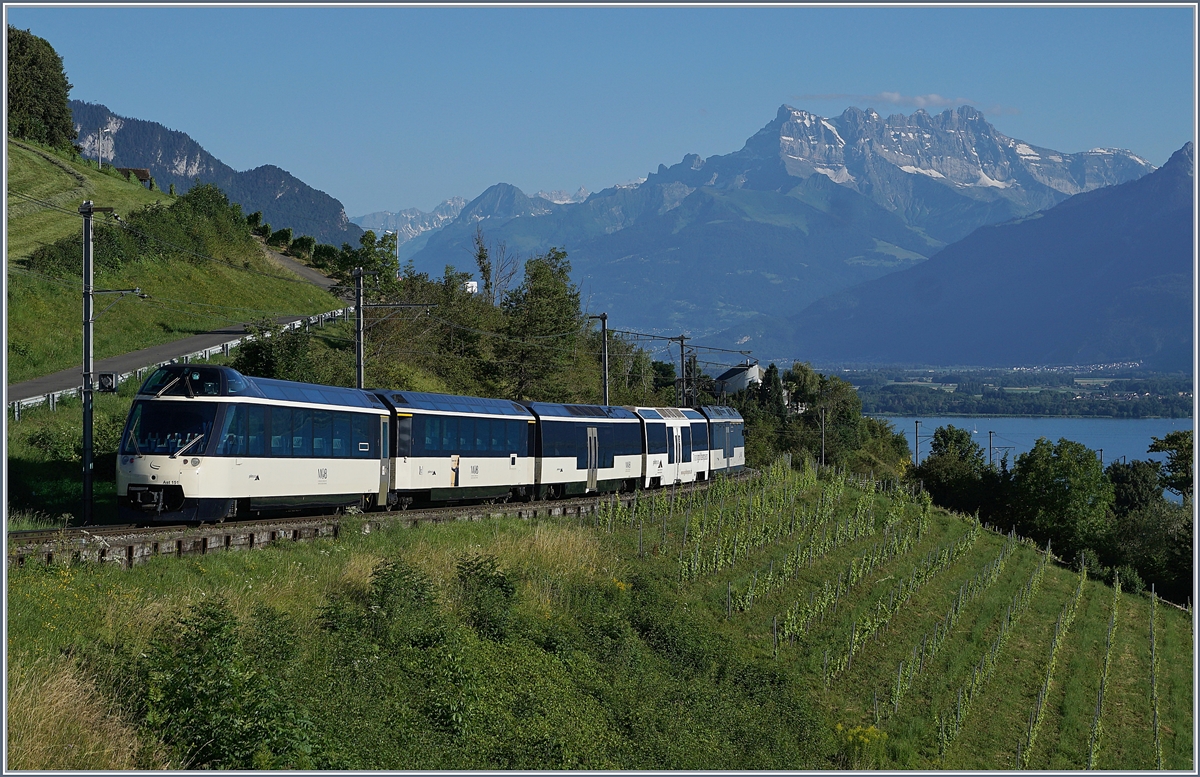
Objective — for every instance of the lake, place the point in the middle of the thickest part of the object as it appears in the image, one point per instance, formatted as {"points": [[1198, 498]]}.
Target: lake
{"points": [[1118, 437]]}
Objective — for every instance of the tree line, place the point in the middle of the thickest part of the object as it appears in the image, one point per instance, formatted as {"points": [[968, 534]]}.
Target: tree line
{"points": [[1113, 520]]}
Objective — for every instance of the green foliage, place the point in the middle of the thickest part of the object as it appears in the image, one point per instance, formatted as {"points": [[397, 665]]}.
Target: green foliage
{"points": [[488, 596], [254, 220], [1136, 485], [37, 92], [275, 352], [1177, 475], [281, 238], [200, 223], [542, 321], [207, 699], [1062, 496], [302, 246]]}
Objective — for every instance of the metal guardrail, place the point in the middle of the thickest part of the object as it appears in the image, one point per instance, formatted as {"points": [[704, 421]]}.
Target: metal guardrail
{"points": [[52, 399]]}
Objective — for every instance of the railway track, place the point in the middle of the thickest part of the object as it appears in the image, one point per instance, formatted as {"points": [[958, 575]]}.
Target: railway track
{"points": [[129, 545]]}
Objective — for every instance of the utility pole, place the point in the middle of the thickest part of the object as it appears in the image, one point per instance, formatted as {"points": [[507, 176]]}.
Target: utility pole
{"points": [[917, 445], [822, 436], [990, 433], [604, 350], [86, 210], [357, 274], [359, 362], [682, 395]]}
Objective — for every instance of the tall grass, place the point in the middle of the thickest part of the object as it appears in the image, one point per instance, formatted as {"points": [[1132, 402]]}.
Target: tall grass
{"points": [[58, 720]]}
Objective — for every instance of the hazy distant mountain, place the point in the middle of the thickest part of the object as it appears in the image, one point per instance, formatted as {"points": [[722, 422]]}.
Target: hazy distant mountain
{"points": [[411, 222], [809, 206], [559, 197], [175, 158], [1105, 276]]}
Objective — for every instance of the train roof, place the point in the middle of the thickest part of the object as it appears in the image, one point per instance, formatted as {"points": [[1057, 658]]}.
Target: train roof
{"points": [[192, 380], [556, 410], [453, 403], [720, 413]]}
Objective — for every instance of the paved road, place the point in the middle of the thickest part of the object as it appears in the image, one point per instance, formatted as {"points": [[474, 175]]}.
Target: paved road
{"points": [[129, 362]]}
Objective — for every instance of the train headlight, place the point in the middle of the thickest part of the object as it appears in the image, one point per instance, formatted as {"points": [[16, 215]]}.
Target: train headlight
{"points": [[195, 462]]}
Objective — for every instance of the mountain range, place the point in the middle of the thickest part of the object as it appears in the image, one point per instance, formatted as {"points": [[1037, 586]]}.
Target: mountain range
{"points": [[809, 206], [1105, 276], [175, 158]]}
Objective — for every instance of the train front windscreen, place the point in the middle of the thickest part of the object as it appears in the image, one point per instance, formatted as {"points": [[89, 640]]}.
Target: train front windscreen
{"points": [[163, 428]]}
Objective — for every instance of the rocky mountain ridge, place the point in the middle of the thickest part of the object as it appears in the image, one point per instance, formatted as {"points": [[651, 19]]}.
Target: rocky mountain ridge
{"points": [[174, 158], [1105, 276]]}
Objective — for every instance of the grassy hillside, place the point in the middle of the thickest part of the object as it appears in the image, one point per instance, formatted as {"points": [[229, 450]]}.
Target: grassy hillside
{"points": [[187, 295], [785, 622]]}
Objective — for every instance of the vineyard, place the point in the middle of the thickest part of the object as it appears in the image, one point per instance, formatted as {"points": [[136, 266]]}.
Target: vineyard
{"points": [[790, 620], [930, 640]]}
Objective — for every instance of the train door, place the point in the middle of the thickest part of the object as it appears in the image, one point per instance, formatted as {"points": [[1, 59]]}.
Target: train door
{"points": [[385, 462], [593, 457], [728, 444]]}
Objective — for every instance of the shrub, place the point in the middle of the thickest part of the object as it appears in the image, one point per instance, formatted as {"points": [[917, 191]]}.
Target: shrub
{"points": [[281, 237], [209, 702], [488, 595]]}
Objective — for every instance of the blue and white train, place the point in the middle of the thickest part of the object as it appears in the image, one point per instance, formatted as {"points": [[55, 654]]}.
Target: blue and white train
{"points": [[206, 443]]}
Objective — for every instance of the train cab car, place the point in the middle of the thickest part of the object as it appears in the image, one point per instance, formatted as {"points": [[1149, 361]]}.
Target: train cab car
{"points": [[668, 439], [583, 449], [727, 440], [205, 443], [451, 448]]}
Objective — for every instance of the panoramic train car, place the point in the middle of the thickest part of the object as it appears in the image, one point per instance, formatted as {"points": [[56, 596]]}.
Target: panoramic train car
{"points": [[668, 436], [205, 443], [584, 449], [727, 440], [448, 448]]}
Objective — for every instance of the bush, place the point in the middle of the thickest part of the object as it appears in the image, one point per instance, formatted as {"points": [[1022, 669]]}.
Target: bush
{"points": [[208, 701], [1131, 581], [488, 595], [281, 238]]}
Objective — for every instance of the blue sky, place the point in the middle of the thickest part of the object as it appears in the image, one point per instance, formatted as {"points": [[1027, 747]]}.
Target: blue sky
{"points": [[394, 107]]}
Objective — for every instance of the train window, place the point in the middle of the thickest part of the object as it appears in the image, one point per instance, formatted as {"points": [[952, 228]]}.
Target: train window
{"points": [[302, 432], [449, 434], [739, 435], [281, 431], [163, 427], [670, 445], [499, 435], [656, 438], [606, 439], [433, 433], [483, 434], [466, 434], [404, 435], [700, 436], [718, 436], [342, 441], [231, 441], [256, 442], [686, 433], [365, 432], [322, 434], [512, 436]]}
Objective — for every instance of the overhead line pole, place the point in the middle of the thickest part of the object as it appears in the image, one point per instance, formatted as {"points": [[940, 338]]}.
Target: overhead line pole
{"points": [[359, 362], [604, 351], [86, 210]]}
